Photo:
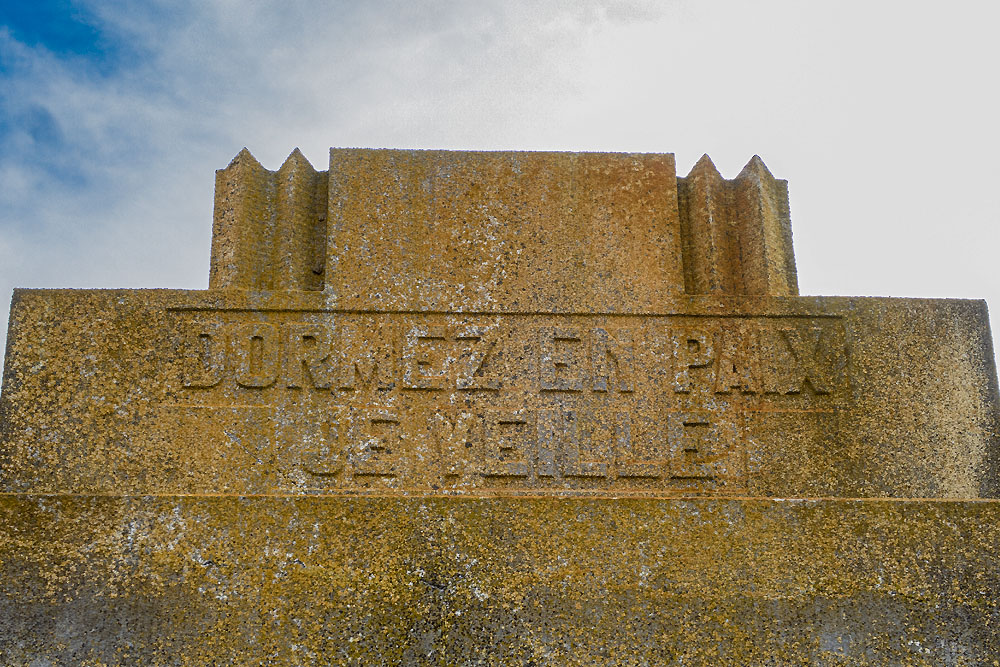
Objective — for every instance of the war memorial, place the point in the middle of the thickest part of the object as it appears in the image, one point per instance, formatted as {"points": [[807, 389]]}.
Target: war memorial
{"points": [[468, 408]]}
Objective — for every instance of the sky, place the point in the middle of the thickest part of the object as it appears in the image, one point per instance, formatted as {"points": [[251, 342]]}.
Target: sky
{"points": [[883, 117]]}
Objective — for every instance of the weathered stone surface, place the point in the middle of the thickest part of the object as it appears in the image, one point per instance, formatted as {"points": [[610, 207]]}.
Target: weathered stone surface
{"points": [[460, 231], [737, 234], [218, 392], [189, 580], [497, 408]]}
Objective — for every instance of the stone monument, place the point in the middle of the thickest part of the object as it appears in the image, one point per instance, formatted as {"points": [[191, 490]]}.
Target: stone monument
{"points": [[498, 408]]}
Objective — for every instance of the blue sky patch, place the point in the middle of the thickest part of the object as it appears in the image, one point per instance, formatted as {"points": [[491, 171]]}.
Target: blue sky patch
{"points": [[67, 30]]}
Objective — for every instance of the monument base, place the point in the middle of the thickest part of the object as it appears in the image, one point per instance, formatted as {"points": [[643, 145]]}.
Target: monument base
{"points": [[156, 580], [472, 408]]}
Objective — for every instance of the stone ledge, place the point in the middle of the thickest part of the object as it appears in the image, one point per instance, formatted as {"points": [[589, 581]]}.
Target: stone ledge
{"points": [[188, 580]]}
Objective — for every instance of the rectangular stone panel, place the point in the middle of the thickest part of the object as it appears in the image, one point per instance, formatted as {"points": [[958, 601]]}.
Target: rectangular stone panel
{"points": [[430, 581], [220, 392], [460, 231], [437, 402]]}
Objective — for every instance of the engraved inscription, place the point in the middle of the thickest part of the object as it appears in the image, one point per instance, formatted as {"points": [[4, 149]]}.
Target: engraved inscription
{"points": [[456, 436], [456, 403], [476, 347], [612, 360], [308, 356], [255, 355], [693, 348], [325, 455], [694, 438], [367, 359], [508, 438], [812, 364], [377, 442], [203, 355], [559, 359], [424, 358]]}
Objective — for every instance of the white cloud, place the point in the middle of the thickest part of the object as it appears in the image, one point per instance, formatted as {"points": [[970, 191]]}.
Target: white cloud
{"points": [[881, 116]]}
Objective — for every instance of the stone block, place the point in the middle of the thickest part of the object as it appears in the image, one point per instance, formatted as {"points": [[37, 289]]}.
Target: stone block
{"points": [[218, 391], [193, 580]]}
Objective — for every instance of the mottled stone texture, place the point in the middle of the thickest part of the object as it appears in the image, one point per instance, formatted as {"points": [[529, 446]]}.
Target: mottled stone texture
{"points": [[497, 408], [190, 580], [445, 230]]}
